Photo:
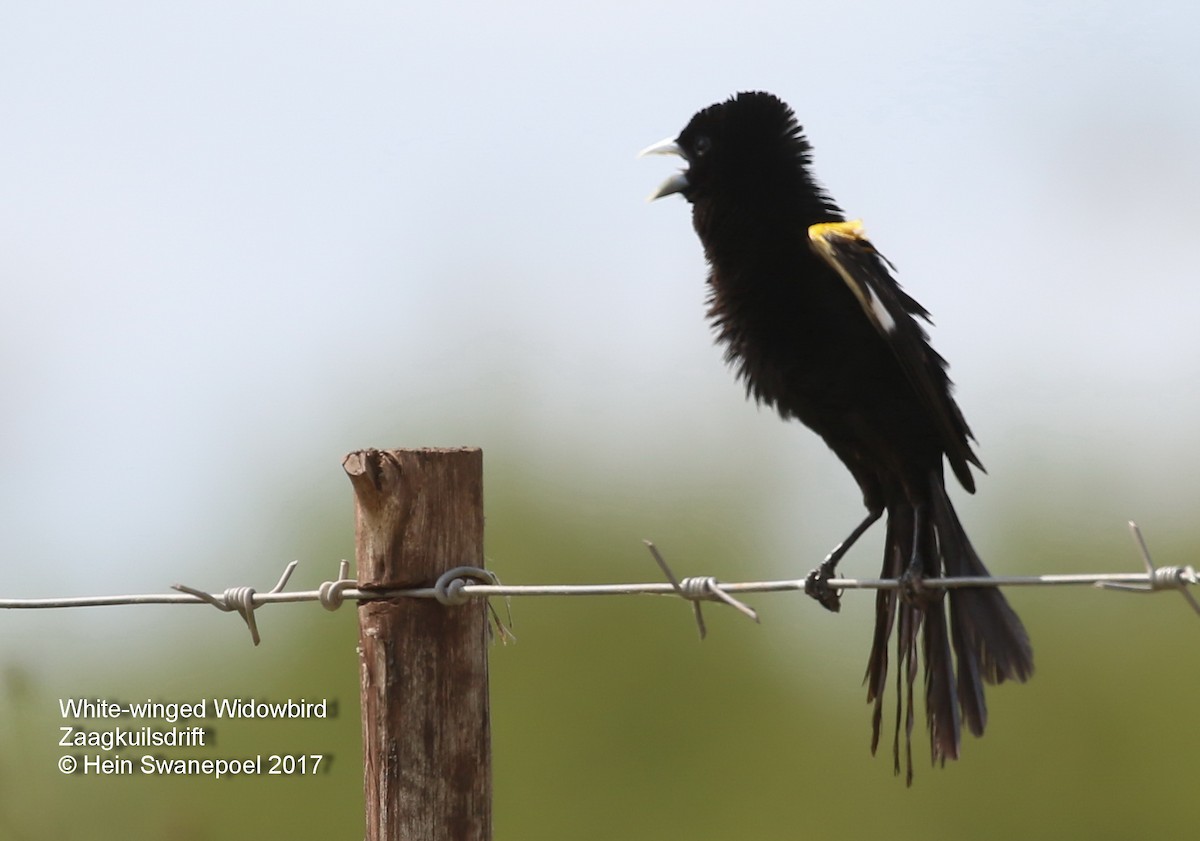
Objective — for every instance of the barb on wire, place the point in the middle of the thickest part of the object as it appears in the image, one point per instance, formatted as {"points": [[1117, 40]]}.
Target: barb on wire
{"points": [[240, 599], [697, 589], [1158, 578]]}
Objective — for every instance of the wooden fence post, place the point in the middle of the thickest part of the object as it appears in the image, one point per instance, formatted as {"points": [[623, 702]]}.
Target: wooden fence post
{"points": [[426, 729]]}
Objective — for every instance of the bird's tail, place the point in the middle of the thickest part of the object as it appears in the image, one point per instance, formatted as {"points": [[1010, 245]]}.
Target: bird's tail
{"points": [[984, 633]]}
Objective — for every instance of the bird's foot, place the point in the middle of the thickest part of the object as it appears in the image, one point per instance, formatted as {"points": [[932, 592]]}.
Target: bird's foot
{"points": [[913, 590], [817, 586]]}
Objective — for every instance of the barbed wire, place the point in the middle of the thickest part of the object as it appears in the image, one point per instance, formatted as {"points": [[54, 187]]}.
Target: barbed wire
{"points": [[460, 584]]}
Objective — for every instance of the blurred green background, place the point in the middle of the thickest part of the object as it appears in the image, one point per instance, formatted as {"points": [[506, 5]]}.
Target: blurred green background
{"points": [[610, 719], [238, 240]]}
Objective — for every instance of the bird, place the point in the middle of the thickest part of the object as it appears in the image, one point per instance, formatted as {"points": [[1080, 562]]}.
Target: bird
{"points": [[815, 325]]}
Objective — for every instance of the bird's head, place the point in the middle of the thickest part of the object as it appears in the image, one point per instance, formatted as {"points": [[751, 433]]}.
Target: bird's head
{"points": [[743, 146]]}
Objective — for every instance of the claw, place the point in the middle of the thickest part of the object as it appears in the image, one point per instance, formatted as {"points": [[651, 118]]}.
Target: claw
{"points": [[817, 586], [914, 592]]}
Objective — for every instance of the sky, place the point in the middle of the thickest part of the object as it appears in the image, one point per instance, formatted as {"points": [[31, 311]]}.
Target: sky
{"points": [[238, 240]]}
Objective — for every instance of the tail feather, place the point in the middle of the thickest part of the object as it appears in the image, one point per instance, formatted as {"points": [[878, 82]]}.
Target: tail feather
{"points": [[911, 623], [984, 638], [877, 663], [970, 686], [941, 700], [992, 635]]}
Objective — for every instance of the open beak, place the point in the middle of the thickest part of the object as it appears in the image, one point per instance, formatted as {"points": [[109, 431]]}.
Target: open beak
{"points": [[678, 182]]}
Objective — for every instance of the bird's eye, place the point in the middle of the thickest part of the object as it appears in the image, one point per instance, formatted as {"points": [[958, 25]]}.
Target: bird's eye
{"points": [[702, 144]]}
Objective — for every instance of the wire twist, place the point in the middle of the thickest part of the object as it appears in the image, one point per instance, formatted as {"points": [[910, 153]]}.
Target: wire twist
{"points": [[449, 587], [331, 594]]}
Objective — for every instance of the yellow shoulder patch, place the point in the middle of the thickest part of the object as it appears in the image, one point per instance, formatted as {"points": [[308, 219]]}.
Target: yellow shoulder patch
{"points": [[841, 245], [825, 232]]}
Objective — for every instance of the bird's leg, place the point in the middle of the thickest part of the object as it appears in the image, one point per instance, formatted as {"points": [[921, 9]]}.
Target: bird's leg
{"points": [[912, 590], [816, 584]]}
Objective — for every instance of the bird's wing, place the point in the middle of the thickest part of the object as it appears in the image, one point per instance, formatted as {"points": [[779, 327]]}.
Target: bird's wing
{"points": [[845, 248]]}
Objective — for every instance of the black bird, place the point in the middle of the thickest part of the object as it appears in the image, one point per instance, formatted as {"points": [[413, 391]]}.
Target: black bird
{"points": [[815, 325]]}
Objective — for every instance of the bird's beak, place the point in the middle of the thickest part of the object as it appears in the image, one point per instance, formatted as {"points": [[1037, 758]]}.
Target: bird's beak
{"points": [[678, 182], [662, 147]]}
